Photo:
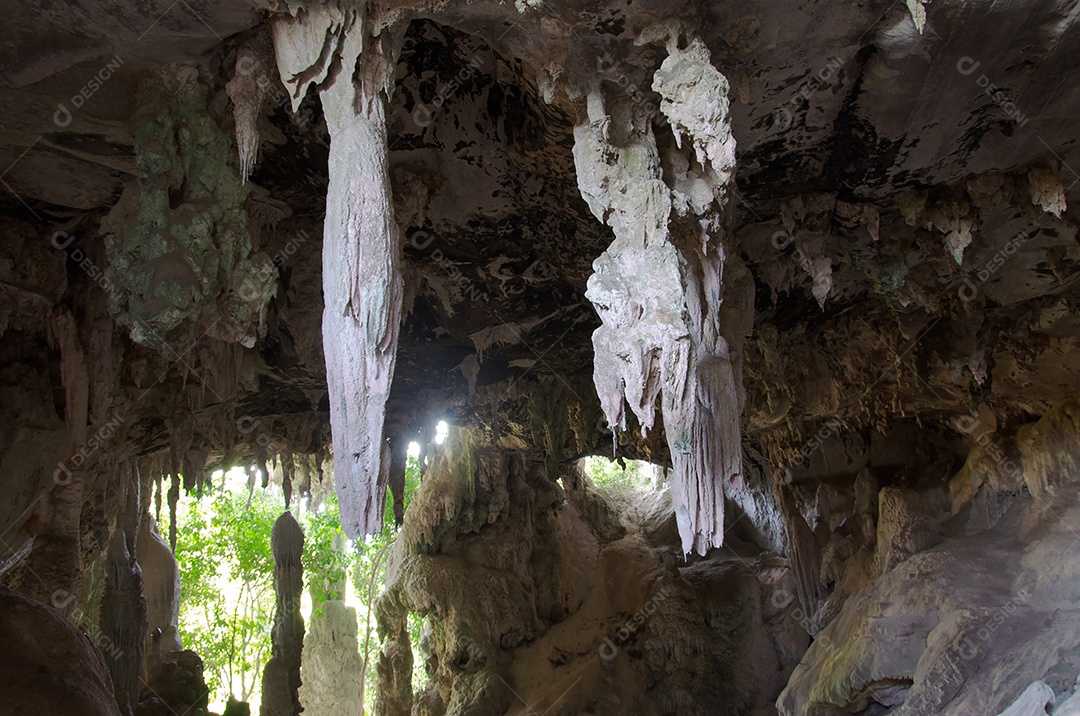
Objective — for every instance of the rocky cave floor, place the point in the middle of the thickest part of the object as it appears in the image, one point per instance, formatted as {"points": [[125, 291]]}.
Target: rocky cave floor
{"points": [[816, 260]]}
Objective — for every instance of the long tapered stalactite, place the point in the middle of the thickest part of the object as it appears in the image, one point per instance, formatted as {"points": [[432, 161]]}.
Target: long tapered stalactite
{"points": [[660, 286], [362, 275]]}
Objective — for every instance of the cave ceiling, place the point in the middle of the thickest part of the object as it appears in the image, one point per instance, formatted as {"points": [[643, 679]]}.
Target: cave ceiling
{"points": [[902, 199]]}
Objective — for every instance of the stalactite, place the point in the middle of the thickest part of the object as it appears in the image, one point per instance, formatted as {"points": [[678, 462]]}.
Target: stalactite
{"points": [[305, 475], [157, 497], [195, 465], [399, 456], [660, 286], [288, 468], [247, 89], [260, 460], [63, 334], [123, 608], [1046, 191], [181, 436], [105, 401], [174, 497], [281, 678], [362, 275]]}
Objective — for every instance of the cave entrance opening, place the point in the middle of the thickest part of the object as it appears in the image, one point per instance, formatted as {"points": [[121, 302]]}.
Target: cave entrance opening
{"points": [[225, 566], [622, 478]]}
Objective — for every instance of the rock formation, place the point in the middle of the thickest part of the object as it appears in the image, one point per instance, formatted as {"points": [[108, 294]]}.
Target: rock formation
{"points": [[281, 677], [48, 665], [362, 281], [332, 670], [816, 263], [659, 287]]}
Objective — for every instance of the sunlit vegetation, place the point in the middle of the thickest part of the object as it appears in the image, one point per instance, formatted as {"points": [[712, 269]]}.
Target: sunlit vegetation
{"points": [[621, 478], [226, 570]]}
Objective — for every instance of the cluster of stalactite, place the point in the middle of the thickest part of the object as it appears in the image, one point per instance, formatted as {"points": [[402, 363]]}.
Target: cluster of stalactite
{"points": [[284, 450], [674, 298]]}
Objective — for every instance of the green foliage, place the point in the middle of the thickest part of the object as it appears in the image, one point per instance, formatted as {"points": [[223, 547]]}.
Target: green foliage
{"points": [[227, 599], [617, 479], [226, 569], [326, 557], [369, 582]]}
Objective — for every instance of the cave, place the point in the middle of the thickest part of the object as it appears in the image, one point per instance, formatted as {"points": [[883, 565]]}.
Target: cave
{"points": [[665, 357]]}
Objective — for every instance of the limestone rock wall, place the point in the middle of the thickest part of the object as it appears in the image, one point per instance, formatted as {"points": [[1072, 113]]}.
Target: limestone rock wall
{"points": [[895, 237], [48, 666], [540, 594], [955, 615], [332, 670]]}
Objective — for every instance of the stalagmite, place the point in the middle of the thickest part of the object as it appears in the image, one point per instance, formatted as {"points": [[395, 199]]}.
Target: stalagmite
{"points": [[288, 469], [161, 588], [333, 670], [362, 278], [281, 678], [660, 285], [123, 608]]}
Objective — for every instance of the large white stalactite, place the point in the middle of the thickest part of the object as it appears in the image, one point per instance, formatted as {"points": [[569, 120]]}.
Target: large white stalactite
{"points": [[660, 286], [362, 280]]}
